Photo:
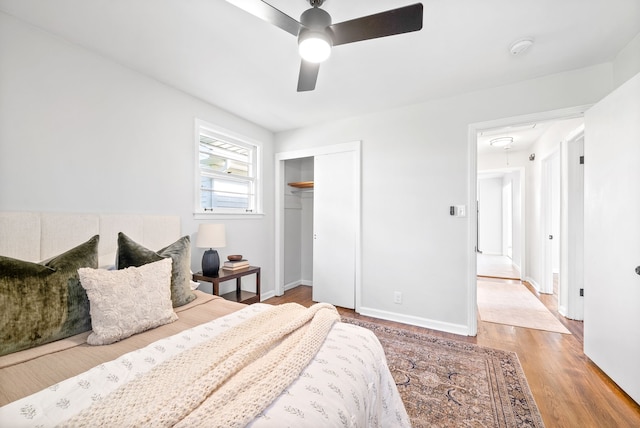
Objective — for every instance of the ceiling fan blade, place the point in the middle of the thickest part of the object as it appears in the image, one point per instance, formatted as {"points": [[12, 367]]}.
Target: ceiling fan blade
{"points": [[395, 21], [266, 12], [308, 76]]}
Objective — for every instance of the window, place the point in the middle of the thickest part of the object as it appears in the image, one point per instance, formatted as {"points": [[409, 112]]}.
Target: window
{"points": [[227, 172]]}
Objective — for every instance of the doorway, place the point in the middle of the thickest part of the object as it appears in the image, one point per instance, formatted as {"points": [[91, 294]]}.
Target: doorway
{"points": [[347, 186], [530, 162], [499, 243], [298, 222]]}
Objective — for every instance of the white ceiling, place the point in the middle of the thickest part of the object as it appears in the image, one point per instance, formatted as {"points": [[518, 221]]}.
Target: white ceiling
{"points": [[229, 58], [524, 135]]}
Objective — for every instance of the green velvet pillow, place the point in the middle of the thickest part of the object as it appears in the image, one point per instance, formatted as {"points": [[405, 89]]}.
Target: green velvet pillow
{"points": [[130, 253], [44, 302]]}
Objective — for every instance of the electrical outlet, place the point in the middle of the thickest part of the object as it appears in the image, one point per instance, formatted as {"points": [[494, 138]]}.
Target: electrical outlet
{"points": [[397, 297]]}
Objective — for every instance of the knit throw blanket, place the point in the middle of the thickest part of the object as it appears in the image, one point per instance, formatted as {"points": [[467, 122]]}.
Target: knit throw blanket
{"points": [[225, 382]]}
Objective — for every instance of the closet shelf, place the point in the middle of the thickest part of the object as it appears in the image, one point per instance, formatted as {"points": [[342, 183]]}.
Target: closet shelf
{"points": [[302, 184]]}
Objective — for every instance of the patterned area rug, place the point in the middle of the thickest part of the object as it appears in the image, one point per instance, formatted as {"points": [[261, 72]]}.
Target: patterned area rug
{"points": [[446, 383]]}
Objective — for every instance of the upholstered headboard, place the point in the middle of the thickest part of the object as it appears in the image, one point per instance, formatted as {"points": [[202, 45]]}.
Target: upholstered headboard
{"points": [[37, 236]]}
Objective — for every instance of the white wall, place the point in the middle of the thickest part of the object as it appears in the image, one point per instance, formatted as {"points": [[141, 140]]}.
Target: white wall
{"points": [[415, 164], [517, 229], [496, 161], [79, 133], [627, 63], [490, 215]]}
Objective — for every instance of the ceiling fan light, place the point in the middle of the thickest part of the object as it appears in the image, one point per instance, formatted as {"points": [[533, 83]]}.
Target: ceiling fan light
{"points": [[501, 142], [314, 46]]}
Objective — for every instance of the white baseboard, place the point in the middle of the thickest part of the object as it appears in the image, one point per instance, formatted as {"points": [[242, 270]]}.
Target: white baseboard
{"points": [[267, 295], [291, 285], [533, 283], [294, 284], [462, 330], [562, 310]]}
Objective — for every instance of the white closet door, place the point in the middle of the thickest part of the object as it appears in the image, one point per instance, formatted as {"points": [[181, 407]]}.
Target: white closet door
{"points": [[612, 236], [334, 228]]}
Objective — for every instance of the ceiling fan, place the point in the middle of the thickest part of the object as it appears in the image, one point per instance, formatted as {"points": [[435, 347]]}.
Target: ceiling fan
{"points": [[316, 34]]}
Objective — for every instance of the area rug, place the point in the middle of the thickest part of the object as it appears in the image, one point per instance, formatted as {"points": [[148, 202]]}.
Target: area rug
{"points": [[447, 383], [514, 304]]}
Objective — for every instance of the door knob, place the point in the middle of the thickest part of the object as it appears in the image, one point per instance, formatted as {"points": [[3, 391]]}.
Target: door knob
{"points": [[638, 270], [550, 236]]}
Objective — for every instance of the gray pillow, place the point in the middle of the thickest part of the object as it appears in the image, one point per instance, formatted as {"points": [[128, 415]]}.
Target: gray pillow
{"points": [[130, 253], [44, 302]]}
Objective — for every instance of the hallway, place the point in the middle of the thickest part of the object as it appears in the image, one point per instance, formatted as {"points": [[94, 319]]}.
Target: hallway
{"points": [[496, 267]]}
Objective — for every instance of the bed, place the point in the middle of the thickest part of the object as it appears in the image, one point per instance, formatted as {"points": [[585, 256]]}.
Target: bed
{"points": [[200, 361]]}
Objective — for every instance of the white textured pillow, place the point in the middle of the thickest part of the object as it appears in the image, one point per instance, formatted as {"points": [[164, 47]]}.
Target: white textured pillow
{"points": [[128, 301]]}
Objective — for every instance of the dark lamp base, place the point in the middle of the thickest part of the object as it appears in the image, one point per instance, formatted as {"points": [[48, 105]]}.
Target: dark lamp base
{"points": [[210, 263]]}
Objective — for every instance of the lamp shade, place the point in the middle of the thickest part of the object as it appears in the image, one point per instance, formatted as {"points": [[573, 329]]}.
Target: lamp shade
{"points": [[211, 236]]}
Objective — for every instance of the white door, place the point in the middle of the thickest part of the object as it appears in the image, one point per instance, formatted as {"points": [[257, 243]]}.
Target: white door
{"points": [[612, 236], [334, 228], [570, 300], [550, 220]]}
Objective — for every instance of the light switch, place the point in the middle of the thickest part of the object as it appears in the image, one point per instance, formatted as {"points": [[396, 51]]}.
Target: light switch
{"points": [[461, 210]]}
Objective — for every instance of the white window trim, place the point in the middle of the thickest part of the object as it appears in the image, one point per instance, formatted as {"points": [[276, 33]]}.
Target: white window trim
{"points": [[235, 138]]}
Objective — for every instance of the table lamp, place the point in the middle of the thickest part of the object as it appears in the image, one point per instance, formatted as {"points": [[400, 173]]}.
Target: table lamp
{"points": [[210, 236]]}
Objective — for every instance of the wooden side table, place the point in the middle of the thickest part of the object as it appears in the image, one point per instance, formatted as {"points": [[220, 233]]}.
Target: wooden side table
{"points": [[239, 295]]}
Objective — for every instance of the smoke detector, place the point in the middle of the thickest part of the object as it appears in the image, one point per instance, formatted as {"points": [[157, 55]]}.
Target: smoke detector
{"points": [[520, 46]]}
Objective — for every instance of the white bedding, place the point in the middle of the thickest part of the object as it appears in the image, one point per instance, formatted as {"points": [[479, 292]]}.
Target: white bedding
{"points": [[347, 384]]}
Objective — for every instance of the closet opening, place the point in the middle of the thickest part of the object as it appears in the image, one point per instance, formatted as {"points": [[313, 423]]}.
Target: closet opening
{"points": [[318, 227]]}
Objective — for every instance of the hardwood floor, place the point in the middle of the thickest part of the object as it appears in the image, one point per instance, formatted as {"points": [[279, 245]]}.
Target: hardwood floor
{"points": [[496, 267], [569, 389]]}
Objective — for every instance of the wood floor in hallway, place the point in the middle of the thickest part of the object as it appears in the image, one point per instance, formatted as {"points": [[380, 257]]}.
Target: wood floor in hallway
{"points": [[569, 389], [492, 266]]}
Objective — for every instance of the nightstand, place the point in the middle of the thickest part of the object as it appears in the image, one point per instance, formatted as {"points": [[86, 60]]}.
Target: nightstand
{"points": [[238, 295]]}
